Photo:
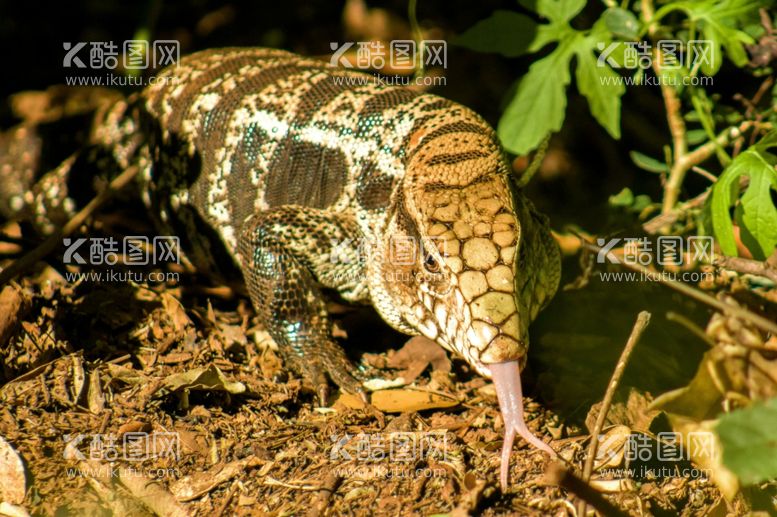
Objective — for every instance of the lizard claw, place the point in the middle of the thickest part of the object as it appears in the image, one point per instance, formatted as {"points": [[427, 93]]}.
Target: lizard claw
{"points": [[322, 390]]}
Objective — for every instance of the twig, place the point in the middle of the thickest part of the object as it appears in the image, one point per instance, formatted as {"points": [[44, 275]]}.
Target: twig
{"points": [[674, 115], [681, 166], [55, 239], [655, 224], [556, 474], [228, 498], [704, 173], [535, 163], [691, 326], [643, 319], [674, 119], [683, 160], [271, 481], [748, 267], [329, 487], [730, 310]]}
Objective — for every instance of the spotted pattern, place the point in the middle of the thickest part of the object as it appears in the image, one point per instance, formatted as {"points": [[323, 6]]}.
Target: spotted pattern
{"points": [[306, 177]]}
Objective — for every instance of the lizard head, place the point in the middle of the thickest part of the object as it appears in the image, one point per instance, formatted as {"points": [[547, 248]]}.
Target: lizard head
{"points": [[468, 262]]}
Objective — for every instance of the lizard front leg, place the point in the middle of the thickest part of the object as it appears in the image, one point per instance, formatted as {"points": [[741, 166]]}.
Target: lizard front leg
{"points": [[288, 254]]}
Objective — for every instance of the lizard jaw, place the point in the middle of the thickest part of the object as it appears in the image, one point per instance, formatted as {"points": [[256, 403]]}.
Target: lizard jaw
{"points": [[507, 380]]}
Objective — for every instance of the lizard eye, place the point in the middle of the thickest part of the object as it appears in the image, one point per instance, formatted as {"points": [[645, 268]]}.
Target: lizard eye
{"points": [[430, 264]]}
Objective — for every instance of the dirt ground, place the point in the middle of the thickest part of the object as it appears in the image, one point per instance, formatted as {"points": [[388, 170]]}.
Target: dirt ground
{"points": [[124, 399]]}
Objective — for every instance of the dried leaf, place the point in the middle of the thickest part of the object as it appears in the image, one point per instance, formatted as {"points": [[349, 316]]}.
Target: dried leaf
{"points": [[13, 479], [79, 378], [176, 312], [400, 401], [209, 379], [95, 397], [200, 483], [126, 375], [416, 355]]}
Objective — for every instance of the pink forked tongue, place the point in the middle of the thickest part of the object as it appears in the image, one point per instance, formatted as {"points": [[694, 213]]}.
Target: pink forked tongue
{"points": [[507, 379]]}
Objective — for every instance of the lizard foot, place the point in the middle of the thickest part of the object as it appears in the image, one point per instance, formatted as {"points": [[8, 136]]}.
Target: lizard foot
{"points": [[330, 360]]}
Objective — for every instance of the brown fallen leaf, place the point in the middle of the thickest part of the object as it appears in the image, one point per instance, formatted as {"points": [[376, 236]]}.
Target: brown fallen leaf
{"points": [[13, 480], [152, 494], [133, 427], [418, 353], [14, 303], [126, 375], [95, 397], [209, 379], [350, 401], [196, 485], [404, 400], [177, 314], [175, 358]]}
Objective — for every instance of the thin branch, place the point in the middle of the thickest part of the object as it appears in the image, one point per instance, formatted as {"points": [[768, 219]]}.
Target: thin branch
{"points": [[674, 118], [748, 267], [557, 474], [655, 224], [329, 487], [686, 160], [643, 319], [690, 326], [704, 173], [55, 239]]}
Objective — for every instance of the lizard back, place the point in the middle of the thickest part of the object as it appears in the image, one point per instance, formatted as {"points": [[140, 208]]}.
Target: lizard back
{"points": [[268, 128]]}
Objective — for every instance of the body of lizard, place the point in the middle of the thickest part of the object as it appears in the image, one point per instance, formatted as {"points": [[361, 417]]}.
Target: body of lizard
{"points": [[309, 177]]}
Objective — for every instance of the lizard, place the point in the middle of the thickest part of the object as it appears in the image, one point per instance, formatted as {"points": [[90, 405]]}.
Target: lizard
{"points": [[309, 177]]}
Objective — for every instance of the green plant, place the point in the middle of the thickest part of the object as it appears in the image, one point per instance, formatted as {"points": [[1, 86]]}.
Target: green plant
{"points": [[626, 47]]}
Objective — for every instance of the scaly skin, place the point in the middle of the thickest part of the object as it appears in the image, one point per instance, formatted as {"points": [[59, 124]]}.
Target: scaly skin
{"points": [[306, 176]]}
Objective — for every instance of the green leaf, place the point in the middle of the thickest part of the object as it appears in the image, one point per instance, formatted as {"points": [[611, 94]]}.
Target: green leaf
{"points": [[696, 136], [756, 213], [768, 141], [540, 100], [601, 86], [621, 22], [647, 163], [757, 216], [703, 107], [554, 10], [749, 440], [623, 198], [718, 22], [505, 32]]}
